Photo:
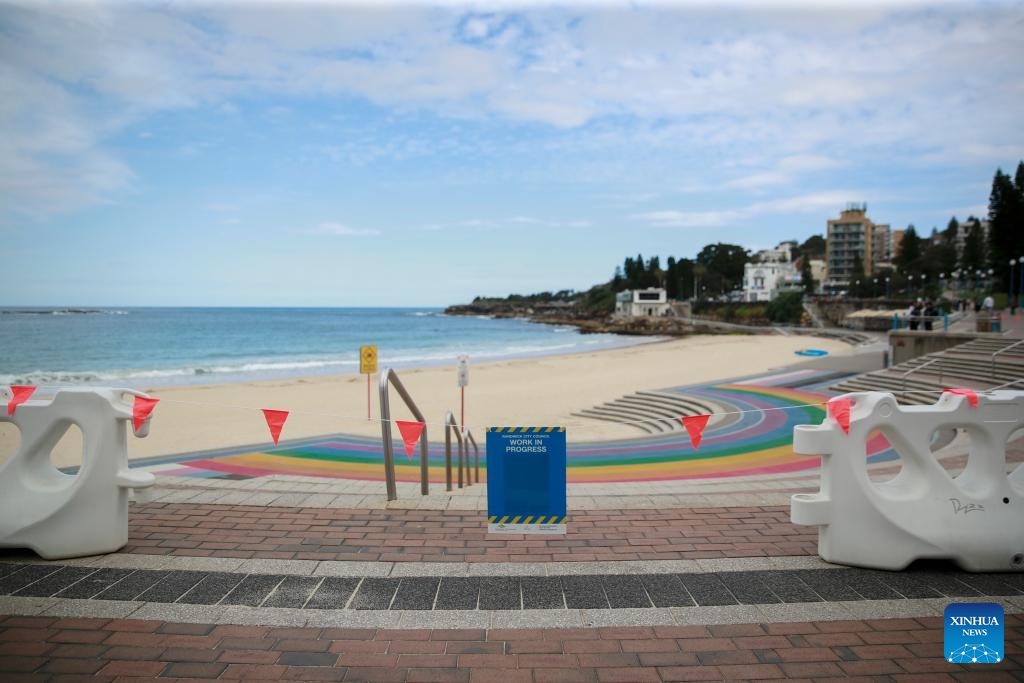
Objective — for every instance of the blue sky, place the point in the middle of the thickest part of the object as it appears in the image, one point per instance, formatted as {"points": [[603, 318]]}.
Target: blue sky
{"points": [[333, 154]]}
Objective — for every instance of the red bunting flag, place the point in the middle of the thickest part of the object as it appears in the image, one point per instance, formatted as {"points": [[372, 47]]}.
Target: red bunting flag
{"points": [[694, 425], [839, 410], [275, 421], [972, 396], [21, 394], [410, 434], [141, 410]]}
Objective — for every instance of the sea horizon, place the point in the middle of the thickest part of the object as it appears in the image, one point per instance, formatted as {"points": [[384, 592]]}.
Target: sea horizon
{"points": [[150, 346]]}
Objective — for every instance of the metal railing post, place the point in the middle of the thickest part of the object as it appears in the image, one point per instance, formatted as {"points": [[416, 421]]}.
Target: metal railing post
{"points": [[386, 377], [449, 425], [476, 455]]}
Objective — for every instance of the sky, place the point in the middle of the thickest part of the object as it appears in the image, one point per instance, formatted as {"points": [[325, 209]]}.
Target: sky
{"points": [[377, 154]]}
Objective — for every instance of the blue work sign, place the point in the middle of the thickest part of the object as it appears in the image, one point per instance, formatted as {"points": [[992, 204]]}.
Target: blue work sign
{"points": [[526, 480]]}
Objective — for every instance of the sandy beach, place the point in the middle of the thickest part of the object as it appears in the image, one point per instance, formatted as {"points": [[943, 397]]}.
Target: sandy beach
{"points": [[533, 391]]}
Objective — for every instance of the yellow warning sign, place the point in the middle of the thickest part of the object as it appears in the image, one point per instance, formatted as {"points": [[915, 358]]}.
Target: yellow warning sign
{"points": [[367, 360]]}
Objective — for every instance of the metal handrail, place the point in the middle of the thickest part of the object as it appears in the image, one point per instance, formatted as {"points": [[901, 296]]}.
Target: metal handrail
{"points": [[920, 367], [1002, 350], [449, 425], [386, 377], [476, 455]]}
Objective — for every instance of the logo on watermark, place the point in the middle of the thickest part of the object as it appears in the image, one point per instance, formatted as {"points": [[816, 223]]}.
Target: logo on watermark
{"points": [[973, 633]]}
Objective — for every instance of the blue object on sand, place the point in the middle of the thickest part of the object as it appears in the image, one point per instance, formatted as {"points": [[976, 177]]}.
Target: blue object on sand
{"points": [[811, 352]]}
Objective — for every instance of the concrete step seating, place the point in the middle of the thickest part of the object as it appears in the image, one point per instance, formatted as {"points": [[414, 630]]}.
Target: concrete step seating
{"points": [[652, 412], [980, 364]]}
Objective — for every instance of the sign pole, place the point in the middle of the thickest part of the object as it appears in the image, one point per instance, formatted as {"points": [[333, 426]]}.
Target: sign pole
{"points": [[463, 374], [368, 366]]}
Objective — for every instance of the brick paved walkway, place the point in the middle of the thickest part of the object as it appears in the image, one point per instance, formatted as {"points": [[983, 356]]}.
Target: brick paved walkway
{"points": [[695, 581], [100, 650], [451, 536]]}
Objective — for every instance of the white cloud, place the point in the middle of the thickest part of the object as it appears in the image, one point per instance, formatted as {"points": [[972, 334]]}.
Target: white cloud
{"points": [[341, 230], [812, 203], [695, 78], [520, 221]]}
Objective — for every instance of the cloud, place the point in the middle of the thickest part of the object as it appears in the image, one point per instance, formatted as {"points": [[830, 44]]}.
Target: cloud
{"points": [[801, 84], [811, 203], [507, 223], [340, 230], [786, 170]]}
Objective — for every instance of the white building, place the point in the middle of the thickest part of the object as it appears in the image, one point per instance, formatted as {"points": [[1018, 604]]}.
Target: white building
{"points": [[638, 303], [773, 271]]}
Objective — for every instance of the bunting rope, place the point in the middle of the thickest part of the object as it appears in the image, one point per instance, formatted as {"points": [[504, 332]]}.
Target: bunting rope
{"points": [[275, 415]]}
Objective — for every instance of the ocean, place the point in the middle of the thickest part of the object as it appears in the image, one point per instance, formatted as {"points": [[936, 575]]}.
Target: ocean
{"points": [[149, 347]]}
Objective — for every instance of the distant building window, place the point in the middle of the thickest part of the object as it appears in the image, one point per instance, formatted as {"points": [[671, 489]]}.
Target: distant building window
{"points": [[648, 296]]}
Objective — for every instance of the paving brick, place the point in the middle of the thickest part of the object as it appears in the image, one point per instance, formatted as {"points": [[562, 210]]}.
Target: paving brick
{"points": [[20, 664], [302, 645], [438, 676], [628, 675], [187, 654], [549, 661], [247, 656], [375, 674], [194, 670], [306, 658], [134, 653], [518, 647], [132, 668], [366, 646], [413, 661], [751, 672], [253, 670], [564, 675], [71, 666], [471, 647], [484, 675]]}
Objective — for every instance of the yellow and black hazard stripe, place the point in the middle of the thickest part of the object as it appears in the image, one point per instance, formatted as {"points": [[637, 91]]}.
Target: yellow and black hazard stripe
{"points": [[525, 430], [528, 519]]}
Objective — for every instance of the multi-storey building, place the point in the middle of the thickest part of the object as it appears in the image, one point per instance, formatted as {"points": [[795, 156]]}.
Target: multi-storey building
{"points": [[850, 239]]}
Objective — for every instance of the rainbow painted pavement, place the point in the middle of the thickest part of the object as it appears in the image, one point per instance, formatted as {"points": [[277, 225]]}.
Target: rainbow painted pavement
{"points": [[752, 436]]}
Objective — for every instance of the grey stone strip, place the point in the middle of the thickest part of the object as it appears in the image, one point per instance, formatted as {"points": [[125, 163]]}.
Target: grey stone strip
{"points": [[486, 593], [442, 619], [403, 569], [623, 498]]}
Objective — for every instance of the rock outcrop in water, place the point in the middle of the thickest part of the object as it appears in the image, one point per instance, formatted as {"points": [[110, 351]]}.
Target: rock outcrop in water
{"points": [[567, 313]]}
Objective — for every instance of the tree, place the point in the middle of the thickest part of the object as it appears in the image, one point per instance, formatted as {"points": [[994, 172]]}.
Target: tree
{"points": [[814, 247], [724, 265], [973, 256], [806, 277], [952, 229], [786, 308], [909, 258], [1006, 223]]}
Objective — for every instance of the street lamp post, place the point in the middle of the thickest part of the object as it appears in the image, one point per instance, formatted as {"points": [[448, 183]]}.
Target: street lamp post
{"points": [[1009, 290], [1020, 290], [887, 294]]}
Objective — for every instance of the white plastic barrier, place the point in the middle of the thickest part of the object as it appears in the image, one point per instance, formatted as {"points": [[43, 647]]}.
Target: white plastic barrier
{"points": [[62, 515], [975, 519]]}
